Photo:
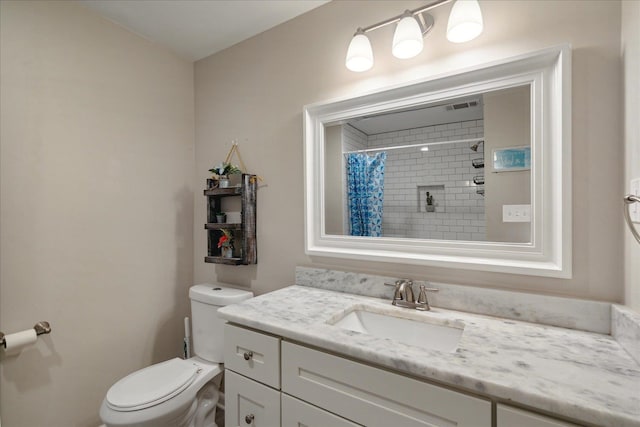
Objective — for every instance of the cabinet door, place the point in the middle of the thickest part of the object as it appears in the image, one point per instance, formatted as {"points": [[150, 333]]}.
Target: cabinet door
{"points": [[250, 404], [296, 413], [512, 417], [375, 397]]}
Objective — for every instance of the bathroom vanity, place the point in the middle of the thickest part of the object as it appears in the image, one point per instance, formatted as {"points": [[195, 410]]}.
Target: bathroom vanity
{"points": [[279, 372], [295, 357]]}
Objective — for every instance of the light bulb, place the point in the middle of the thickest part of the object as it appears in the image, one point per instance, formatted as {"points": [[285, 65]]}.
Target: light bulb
{"points": [[359, 54], [465, 21], [407, 39]]}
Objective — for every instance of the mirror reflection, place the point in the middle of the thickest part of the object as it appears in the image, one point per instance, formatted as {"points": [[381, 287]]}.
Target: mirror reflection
{"points": [[452, 170]]}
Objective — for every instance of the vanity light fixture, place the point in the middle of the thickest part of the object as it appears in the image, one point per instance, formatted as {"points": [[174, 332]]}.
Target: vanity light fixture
{"points": [[359, 55], [465, 21], [465, 24], [407, 39]]}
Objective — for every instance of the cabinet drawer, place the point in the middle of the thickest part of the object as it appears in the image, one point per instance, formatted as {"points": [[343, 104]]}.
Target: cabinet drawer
{"points": [[512, 417], [248, 403], [252, 354], [296, 413], [375, 397]]}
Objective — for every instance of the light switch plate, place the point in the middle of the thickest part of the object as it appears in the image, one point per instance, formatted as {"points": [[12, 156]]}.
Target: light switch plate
{"points": [[634, 209], [516, 213]]}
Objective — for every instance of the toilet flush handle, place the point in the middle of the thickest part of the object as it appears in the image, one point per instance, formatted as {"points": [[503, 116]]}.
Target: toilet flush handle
{"points": [[248, 355]]}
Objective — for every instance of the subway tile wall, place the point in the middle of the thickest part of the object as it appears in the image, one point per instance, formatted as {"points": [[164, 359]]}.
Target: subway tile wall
{"points": [[446, 171], [353, 139]]}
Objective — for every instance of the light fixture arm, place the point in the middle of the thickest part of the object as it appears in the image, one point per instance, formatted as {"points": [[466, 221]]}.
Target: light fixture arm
{"points": [[426, 22], [413, 12], [359, 30]]}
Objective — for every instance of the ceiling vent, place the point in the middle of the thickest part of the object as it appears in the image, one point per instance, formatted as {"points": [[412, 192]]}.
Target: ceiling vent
{"points": [[461, 105]]}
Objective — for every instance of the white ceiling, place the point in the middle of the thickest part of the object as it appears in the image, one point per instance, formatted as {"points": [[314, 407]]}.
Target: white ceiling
{"points": [[195, 29], [416, 117]]}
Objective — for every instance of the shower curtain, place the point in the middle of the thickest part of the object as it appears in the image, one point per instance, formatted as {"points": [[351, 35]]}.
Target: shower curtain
{"points": [[365, 181]]}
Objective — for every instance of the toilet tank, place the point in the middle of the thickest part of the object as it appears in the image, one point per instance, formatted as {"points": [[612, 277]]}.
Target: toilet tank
{"points": [[207, 328]]}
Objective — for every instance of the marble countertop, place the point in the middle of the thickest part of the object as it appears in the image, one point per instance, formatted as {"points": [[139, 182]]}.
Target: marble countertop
{"points": [[581, 375]]}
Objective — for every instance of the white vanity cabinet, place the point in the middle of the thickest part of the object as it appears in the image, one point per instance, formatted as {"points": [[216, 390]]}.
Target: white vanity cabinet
{"points": [[296, 413], [252, 386], [249, 403], [252, 354], [270, 382], [513, 417], [375, 397]]}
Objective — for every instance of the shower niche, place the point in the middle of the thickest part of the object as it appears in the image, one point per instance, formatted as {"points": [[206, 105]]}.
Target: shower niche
{"points": [[432, 198]]}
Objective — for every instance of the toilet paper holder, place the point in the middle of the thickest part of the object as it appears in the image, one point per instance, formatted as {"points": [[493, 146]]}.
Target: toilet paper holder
{"points": [[40, 328]]}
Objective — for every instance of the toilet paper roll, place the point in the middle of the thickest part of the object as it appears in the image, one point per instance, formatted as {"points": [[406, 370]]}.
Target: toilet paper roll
{"points": [[16, 342]]}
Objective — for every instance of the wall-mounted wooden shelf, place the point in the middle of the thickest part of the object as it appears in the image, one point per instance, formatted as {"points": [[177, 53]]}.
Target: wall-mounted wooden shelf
{"points": [[218, 226], [223, 260], [245, 250], [224, 192]]}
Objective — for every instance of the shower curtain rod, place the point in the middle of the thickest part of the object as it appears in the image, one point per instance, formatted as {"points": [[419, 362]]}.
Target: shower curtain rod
{"points": [[396, 147]]}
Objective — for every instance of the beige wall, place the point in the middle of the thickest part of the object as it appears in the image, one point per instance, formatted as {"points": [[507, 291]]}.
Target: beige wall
{"points": [[96, 207], [255, 91], [507, 117], [631, 72]]}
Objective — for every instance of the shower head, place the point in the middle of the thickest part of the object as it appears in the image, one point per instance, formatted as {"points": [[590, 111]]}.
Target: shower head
{"points": [[475, 146]]}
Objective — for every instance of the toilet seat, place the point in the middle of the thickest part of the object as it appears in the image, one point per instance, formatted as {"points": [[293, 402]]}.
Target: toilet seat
{"points": [[167, 410], [152, 385]]}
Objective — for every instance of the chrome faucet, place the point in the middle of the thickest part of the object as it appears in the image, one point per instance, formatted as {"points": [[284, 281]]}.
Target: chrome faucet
{"points": [[405, 291], [403, 295]]}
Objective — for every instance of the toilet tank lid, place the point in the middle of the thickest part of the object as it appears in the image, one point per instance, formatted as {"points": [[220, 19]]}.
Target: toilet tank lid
{"points": [[218, 294]]}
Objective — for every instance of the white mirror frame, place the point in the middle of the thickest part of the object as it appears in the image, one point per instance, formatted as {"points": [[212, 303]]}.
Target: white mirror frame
{"points": [[549, 252]]}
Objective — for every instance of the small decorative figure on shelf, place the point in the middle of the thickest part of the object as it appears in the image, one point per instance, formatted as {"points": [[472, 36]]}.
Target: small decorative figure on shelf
{"points": [[221, 217], [430, 207], [225, 243]]}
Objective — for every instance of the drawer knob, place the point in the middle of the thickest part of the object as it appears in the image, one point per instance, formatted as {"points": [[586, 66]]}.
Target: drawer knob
{"points": [[248, 355], [249, 419]]}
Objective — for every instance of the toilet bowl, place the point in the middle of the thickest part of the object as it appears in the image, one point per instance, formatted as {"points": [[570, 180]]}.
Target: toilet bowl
{"points": [[177, 392], [167, 394]]}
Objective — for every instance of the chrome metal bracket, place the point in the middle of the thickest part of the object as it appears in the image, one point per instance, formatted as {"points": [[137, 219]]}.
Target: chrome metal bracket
{"points": [[629, 199]]}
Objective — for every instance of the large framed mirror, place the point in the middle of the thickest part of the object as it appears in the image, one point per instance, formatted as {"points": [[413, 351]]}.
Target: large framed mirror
{"points": [[470, 170]]}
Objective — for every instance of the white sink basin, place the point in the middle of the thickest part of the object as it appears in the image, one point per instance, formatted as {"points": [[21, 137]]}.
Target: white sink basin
{"points": [[418, 332]]}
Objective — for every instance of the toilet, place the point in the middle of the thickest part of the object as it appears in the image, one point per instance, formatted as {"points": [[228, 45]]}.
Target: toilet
{"points": [[178, 392]]}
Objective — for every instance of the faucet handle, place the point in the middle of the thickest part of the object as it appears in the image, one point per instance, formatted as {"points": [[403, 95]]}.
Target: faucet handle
{"points": [[423, 303], [397, 295]]}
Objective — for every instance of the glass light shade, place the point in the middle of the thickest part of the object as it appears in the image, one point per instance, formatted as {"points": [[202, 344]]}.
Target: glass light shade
{"points": [[359, 54], [465, 21], [407, 39]]}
